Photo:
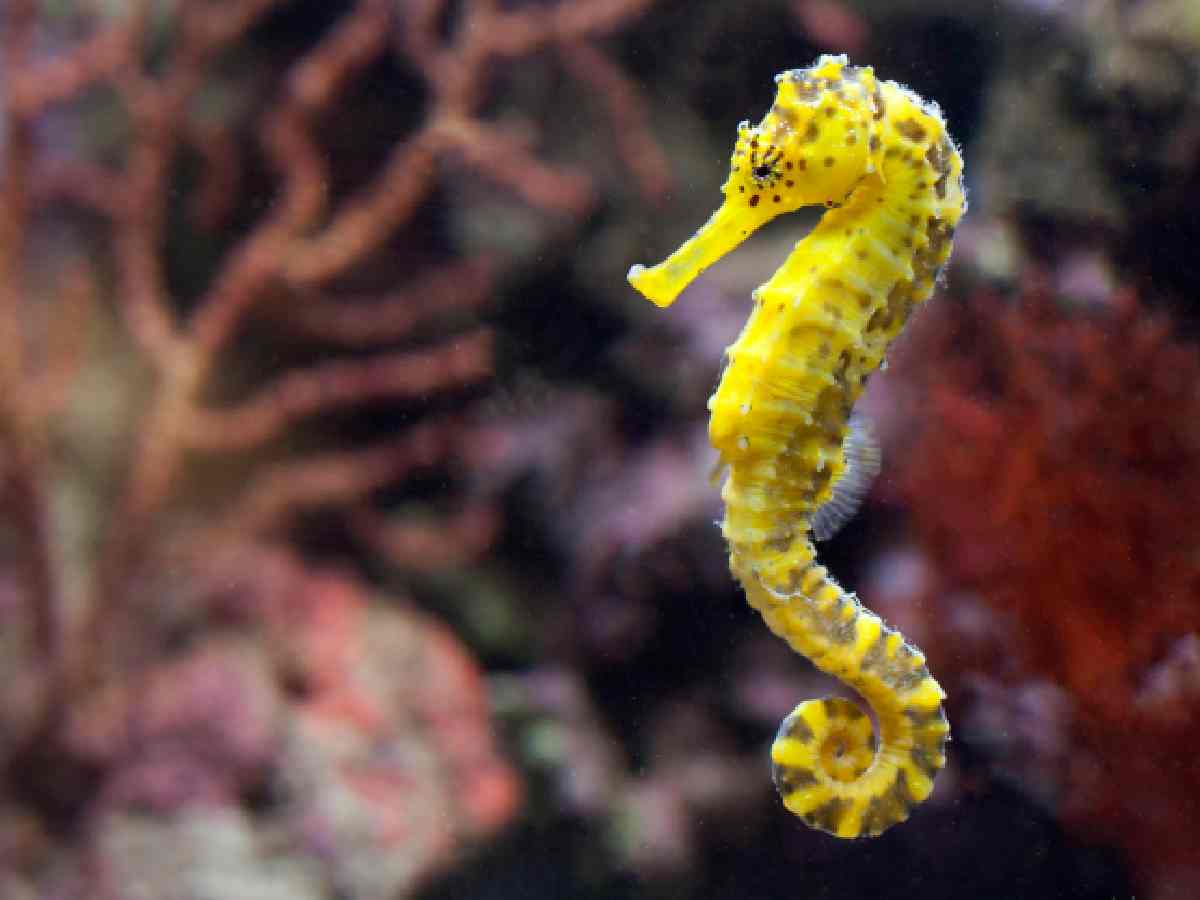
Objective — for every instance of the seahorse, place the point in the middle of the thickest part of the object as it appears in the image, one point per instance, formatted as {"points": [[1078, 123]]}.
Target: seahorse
{"points": [[880, 160]]}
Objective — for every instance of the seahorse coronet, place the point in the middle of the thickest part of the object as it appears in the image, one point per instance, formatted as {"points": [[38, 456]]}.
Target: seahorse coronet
{"points": [[881, 161]]}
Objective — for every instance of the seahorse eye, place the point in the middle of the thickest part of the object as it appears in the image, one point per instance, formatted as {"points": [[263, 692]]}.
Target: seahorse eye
{"points": [[762, 172]]}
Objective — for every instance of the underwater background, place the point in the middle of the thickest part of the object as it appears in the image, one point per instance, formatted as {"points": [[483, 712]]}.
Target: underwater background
{"points": [[356, 534]]}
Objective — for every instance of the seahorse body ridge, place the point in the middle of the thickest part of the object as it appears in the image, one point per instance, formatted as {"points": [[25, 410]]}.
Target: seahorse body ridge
{"points": [[880, 160]]}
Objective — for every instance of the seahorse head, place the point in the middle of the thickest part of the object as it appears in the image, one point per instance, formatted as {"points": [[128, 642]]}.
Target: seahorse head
{"points": [[813, 145], [816, 143]]}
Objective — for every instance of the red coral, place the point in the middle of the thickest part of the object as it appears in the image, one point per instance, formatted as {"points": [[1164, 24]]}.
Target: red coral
{"points": [[1057, 477]]}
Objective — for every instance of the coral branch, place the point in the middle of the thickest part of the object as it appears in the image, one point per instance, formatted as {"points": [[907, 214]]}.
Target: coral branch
{"points": [[369, 217], [426, 546], [93, 186], [59, 80], [143, 300], [335, 479], [217, 192], [362, 322], [66, 340], [332, 386], [522, 31], [22, 426], [627, 112], [317, 79], [508, 161]]}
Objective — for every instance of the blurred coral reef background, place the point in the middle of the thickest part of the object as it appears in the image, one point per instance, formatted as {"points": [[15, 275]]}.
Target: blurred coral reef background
{"points": [[356, 530]]}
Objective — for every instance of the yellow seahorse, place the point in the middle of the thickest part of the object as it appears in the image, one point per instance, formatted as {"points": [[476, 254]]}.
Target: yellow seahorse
{"points": [[879, 158]]}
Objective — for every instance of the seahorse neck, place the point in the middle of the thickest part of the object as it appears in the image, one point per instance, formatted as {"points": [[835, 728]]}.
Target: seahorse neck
{"points": [[824, 320]]}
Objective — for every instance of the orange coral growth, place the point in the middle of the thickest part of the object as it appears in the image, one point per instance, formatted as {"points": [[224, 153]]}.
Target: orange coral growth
{"points": [[191, 290], [1058, 477], [304, 246]]}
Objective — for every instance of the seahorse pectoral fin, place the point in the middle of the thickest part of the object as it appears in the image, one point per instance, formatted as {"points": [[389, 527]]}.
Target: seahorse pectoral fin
{"points": [[731, 224], [860, 450]]}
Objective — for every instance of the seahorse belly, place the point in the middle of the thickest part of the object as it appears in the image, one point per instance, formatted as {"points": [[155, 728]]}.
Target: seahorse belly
{"points": [[881, 160]]}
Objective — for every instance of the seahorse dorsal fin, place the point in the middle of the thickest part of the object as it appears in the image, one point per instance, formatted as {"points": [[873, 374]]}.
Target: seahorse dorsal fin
{"points": [[861, 450]]}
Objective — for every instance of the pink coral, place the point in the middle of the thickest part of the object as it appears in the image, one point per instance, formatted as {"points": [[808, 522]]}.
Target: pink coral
{"points": [[366, 725]]}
